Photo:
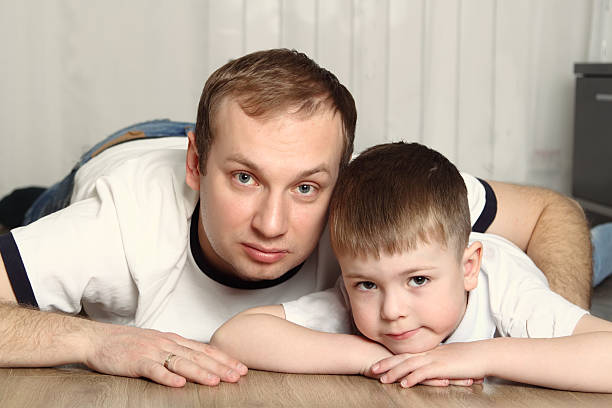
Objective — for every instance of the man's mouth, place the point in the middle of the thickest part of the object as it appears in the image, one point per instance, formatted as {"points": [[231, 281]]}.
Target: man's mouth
{"points": [[264, 255]]}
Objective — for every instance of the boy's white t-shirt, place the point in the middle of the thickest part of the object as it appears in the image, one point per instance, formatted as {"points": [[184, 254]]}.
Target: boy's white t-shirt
{"points": [[512, 299], [125, 251]]}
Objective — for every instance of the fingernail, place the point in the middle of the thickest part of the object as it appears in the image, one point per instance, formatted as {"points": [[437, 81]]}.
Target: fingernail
{"points": [[242, 368], [404, 383], [231, 373], [375, 367], [383, 379]]}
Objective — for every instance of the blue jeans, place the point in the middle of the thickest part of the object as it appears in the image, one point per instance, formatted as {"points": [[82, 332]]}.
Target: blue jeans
{"points": [[58, 195], [601, 236]]}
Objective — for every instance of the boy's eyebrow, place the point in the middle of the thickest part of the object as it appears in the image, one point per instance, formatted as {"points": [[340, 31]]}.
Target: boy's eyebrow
{"points": [[245, 161], [409, 271]]}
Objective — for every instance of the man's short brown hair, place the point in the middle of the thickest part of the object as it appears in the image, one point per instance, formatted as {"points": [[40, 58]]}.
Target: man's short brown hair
{"points": [[272, 82], [395, 196]]}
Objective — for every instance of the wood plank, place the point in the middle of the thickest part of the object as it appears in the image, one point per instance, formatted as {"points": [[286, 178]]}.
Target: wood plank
{"points": [[52, 387]]}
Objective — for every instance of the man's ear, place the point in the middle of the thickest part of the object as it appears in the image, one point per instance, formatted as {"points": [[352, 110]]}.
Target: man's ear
{"points": [[470, 263], [192, 177]]}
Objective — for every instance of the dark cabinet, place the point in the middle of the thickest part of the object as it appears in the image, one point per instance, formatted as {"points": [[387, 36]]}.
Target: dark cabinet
{"points": [[592, 169]]}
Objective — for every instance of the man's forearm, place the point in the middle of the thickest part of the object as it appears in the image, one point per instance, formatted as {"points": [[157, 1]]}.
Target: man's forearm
{"points": [[271, 343], [560, 246], [29, 338]]}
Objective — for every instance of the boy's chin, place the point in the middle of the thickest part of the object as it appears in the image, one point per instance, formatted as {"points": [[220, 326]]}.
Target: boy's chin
{"points": [[412, 348]]}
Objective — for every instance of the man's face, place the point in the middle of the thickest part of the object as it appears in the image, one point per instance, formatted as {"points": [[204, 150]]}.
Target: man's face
{"points": [[409, 302], [267, 187]]}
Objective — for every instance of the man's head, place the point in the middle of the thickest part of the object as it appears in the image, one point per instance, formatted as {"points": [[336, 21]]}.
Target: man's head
{"points": [[399, 224], [270, 83], [272, 133]]}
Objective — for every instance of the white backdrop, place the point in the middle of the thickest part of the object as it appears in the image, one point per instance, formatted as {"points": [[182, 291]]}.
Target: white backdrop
{"points": [[489, 83]]}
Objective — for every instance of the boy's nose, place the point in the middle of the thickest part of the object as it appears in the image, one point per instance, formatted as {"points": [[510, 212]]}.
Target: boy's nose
{"points": [[393, 307], [272, 215]]}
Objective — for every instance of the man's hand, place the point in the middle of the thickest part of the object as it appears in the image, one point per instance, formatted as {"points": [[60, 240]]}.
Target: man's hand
{"points": [[165, 358], [450, 364]]}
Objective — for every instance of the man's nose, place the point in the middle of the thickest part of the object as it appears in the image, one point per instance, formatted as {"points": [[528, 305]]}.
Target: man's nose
{"points": [[272, 215]]}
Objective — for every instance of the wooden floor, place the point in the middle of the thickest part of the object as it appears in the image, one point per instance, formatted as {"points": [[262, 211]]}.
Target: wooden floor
{"points": [[79, 387], [74, 387]]}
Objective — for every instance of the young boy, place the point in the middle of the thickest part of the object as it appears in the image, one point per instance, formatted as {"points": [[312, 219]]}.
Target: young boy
{"points": [[432, 303]]}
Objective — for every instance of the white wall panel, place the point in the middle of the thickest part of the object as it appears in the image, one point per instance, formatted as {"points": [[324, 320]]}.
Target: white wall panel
{"points": [[370, 70], [299, 25], [475, 88], [488, 82], [404, 70], [440, 76], [261, 25]]}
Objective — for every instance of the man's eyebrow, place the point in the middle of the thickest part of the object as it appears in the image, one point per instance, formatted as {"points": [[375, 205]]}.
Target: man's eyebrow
{"points": [[241, 159]]}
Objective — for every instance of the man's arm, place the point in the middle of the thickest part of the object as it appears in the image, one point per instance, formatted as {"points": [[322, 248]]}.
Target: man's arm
{"points": [[553, 231], [580, 362], [263, 339], [30, 338]]}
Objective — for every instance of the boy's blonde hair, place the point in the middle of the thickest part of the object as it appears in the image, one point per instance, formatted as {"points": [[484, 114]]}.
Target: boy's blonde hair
{"points": [[395, 196]]}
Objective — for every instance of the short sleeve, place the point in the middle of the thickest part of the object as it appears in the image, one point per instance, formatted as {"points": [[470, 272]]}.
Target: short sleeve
{"points": [[482, 202], [325, 311], [76, 255], [522, 303]]}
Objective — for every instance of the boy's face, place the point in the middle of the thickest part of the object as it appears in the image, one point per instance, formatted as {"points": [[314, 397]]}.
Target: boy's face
{"points": [[410, 302], [266, 190]]}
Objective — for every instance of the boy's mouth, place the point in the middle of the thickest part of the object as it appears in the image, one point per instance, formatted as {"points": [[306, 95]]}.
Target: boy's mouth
{"points": [[403, 335]]}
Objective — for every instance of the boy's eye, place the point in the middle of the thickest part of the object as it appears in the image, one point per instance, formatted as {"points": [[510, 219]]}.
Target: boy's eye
{"points": [[417, 281], [366, 285], [244, 178]]}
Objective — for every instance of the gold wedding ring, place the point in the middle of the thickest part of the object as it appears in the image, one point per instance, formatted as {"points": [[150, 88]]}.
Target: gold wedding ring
{"points": [[167, 361]]}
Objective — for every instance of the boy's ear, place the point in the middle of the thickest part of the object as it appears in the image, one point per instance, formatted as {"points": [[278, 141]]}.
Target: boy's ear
{"points": [[192, 176], [470, 263]]}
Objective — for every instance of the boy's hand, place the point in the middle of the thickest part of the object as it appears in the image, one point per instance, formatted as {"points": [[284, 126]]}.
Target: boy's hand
{"points": [[449, 364]]}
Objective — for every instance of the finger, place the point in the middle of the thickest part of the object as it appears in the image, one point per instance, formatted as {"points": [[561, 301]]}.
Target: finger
{"points": [[209, 364], [403, 369], [156, 372], [193, 372], [214, 353], [436, 382], [466, 382], [479, 381], [388, 363]]}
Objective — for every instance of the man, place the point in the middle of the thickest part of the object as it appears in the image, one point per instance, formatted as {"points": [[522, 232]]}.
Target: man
{"points": [[166, 247]]}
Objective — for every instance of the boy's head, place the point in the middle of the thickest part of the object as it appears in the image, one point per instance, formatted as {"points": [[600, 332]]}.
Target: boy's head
{"points": [[272, 133], [400, 223]]}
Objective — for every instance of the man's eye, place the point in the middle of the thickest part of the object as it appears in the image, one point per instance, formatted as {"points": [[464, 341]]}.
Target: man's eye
{"points": [[417, 281], [366, 285], [306, 189], [244, 178]]}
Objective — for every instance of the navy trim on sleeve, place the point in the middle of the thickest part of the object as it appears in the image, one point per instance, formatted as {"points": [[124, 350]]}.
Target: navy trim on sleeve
{"points": [[16, 271], [489, 211]]}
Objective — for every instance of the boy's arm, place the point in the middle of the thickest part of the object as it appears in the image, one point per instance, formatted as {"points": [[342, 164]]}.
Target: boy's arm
{"points": [[263, 339], [552, 230], [580, 362]]}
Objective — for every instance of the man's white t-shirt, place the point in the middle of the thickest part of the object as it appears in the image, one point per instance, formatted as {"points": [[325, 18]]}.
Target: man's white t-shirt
{"points": [[512, 299], [126, 250]]}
